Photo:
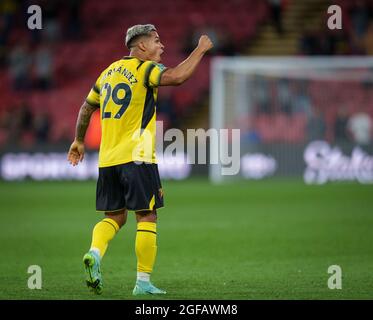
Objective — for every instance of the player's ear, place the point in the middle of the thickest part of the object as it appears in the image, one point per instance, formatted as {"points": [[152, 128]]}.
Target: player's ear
{"points": [[142, 45]]}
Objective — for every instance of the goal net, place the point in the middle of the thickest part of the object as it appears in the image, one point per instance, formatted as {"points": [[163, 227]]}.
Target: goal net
{"points": [[298, 116]]}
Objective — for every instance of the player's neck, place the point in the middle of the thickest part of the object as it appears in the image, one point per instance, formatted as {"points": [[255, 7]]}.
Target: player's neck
{"points": [[138, 54]]}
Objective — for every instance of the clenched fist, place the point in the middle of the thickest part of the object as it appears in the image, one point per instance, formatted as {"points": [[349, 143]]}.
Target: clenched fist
{"points": [[205, 43]]}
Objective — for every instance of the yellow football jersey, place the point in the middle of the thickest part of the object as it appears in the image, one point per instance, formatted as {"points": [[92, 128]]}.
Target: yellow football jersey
{"points": [[126, 93]]}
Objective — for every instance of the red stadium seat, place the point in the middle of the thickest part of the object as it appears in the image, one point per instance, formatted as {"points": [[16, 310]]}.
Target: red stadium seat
{"points": [[77, 64]]}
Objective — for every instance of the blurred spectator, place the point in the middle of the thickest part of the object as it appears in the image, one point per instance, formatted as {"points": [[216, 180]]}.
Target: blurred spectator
{"points": [[261, 94], [64, 135], [327, 43], [227, 47], [43, 67], [19, 66], [51, 23], [276, 14], [308, 43], [360, 126], [340, 125], [192, 41], [367, 40], [319, 42], [3, 41], [24, 117], [199, 26], [7, 11], [17, 121], [284, 96], [196, 22], [251, 136], [74, 23], [316, 127], [301, 98], [361, 13], [6, 126], [166, 110], [41, 127]]}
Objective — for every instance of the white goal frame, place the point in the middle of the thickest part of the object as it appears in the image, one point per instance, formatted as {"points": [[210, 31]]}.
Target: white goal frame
{"points": [[264, 65]]}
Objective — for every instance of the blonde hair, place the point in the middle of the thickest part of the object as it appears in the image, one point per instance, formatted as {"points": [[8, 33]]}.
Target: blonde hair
{"points": [[136, 31]]}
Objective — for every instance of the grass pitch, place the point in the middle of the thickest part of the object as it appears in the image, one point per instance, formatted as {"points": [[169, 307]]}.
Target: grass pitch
{"points": [[272, 239]]}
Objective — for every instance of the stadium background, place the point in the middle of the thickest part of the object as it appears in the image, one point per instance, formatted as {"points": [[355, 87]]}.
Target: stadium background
{"points": [[252, 239]]}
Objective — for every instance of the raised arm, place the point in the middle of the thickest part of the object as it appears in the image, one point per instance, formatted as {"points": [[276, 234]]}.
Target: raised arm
{"points": [[181, 73], [76, 151]]}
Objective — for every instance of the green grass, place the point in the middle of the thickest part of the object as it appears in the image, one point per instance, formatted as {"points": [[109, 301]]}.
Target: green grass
{"points": [[273, 239]]}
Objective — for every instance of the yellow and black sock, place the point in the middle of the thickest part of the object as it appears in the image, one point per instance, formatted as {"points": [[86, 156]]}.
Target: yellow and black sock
{"points": [[103, 232], [146, 246]]}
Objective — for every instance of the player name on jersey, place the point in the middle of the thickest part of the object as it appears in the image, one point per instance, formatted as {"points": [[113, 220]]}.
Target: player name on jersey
{"points": [[125, 72]]}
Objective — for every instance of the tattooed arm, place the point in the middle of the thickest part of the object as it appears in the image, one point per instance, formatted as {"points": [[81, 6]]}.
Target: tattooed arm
{"points": [[84, 117], [76, 151]]}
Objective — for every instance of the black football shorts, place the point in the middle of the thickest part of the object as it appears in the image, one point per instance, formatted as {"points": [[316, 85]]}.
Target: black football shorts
{"points": [[132, 186]]}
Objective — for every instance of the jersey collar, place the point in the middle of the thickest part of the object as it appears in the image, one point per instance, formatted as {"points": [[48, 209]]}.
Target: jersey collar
{"points": [[128, 58]]}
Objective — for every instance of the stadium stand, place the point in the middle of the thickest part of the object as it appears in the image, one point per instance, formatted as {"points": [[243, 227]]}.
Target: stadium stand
{"points": [[77, 61], [83, 37]]}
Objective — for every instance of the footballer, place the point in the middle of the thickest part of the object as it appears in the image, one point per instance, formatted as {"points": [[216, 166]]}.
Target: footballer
{"points": [[126, 94]]}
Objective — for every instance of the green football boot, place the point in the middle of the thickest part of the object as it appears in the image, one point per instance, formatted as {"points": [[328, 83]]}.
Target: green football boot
{"points": [[91, 262], [146, 287]]}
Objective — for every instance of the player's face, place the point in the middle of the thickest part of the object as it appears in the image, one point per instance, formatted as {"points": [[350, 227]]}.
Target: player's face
{"points": [[154, 47]]}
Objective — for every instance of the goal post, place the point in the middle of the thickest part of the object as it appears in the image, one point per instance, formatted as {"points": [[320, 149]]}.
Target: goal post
{"points": [[276, 102]]}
